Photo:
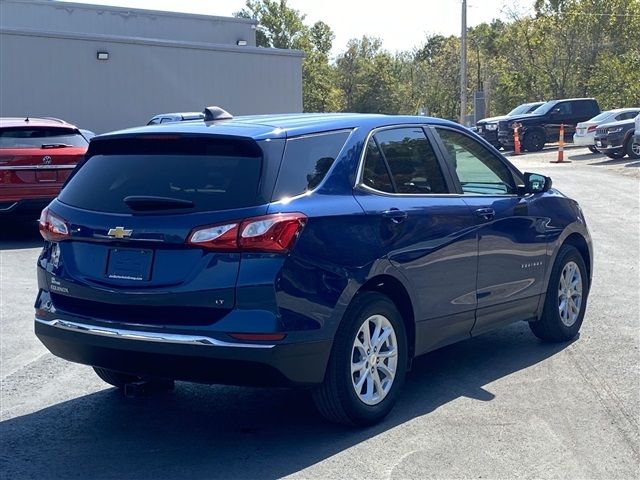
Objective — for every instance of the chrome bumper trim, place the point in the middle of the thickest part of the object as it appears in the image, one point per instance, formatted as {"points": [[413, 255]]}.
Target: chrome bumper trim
{"points": [[146, 336]]}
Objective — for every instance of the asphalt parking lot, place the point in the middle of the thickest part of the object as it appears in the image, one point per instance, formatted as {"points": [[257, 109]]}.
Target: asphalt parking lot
{"points": [[503, 405]]}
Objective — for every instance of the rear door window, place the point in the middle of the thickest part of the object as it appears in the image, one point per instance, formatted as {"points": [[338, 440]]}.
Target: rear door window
{"points": [[21, 137], [306, 161], [413, 164], [585, 108], [206, 179], [627, 116]]}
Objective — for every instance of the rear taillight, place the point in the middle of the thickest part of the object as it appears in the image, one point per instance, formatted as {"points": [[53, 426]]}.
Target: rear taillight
{"points": [[52, 227], [592, 128], [269, 233]]}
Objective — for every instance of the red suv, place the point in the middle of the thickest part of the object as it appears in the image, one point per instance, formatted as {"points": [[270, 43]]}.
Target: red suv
{"points": [[36, 157]]}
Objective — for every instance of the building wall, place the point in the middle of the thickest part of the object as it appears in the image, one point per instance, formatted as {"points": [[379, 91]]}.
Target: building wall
{"points": [[50, 15], [56, 73]]}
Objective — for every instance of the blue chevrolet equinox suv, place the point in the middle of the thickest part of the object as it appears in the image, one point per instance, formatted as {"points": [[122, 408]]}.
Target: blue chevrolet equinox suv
{"points": [[323, 251]]}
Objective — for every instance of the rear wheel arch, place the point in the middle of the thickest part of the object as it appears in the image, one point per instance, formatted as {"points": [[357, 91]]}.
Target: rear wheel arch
{"points": [[398, 294]]}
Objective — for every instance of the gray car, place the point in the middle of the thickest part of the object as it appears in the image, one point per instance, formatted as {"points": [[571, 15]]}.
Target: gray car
{"points": [[616, 139], [175, 117]]}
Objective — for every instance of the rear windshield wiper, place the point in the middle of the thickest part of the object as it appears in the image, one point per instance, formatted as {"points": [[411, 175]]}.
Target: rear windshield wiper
{"points": [[55, 145], [144, 202]]}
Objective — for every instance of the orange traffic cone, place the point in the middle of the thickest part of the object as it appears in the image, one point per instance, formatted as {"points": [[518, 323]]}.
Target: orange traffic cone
{"points": [[516, 140], [561, 147]]}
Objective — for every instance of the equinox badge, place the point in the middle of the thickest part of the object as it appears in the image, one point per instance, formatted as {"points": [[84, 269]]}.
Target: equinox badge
{"points": [[119, 232]]}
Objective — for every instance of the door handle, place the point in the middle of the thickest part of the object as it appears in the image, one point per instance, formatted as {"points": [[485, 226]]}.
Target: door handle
{"points": [[486, 214], [395, 215]]}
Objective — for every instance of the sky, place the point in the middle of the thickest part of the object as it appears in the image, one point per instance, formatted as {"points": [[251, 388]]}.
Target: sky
{"points": [[401, 24]]}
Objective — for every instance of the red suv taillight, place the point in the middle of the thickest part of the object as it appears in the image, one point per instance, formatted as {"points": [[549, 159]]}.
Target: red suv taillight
{"points": [[592, 128], [269, 233], [52, 227]]}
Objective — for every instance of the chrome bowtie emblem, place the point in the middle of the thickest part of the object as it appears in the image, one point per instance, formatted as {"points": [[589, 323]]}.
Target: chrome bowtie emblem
{"points": [[119, 232], [46, 160]]}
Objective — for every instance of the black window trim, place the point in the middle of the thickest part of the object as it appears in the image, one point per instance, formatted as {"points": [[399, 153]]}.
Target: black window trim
{"points": [[517, 176], [448, 179]]}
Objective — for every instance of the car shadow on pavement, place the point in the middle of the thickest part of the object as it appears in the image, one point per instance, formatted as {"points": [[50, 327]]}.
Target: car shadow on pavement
{"points": [[585, 156], [18, 233], [613, 161], [201, 431]]}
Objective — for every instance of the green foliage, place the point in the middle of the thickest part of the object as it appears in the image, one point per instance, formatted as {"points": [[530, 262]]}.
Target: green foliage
{"points": [[567, 48], [367, 77], [280, 26], [570, 48]]}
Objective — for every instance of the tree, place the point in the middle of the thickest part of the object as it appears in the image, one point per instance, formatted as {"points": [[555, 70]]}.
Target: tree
{"points": [[280, 26], [368, 77], [566, 48], [319, 90]]}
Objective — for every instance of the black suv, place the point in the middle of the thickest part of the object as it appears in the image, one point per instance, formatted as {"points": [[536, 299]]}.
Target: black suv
{"points": [[543, 124], [615, 139], [487, 128]]}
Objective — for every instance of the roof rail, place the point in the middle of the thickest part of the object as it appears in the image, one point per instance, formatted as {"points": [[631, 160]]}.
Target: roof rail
{"points": [[216, 113]]}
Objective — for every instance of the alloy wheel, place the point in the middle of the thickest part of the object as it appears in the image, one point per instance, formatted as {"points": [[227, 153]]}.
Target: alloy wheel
{"points": [[570, 294], [374, 359]]}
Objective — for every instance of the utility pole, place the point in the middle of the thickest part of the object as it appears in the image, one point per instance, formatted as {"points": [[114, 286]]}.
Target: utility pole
{"points": [[463, 65]]}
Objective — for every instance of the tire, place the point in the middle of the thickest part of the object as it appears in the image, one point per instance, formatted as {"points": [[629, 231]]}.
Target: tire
{"points": [[337, 398], [558, 324], [593, 149], [116, 379], [533, 141], [632, 149], [615, 155]]}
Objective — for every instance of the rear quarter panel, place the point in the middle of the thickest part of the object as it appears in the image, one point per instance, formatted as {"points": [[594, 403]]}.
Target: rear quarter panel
{"points": [[335, 255]]}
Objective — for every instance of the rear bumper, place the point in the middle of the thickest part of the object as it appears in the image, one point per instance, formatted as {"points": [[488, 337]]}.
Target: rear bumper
{"points": [[158, 353], [584, 140]]}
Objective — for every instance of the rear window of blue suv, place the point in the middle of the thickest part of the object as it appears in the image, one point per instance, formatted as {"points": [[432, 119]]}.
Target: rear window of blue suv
{"points": [[197, 174]]}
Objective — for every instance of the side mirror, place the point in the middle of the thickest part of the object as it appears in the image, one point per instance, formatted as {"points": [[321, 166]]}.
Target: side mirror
{"points": [[535, 183]]}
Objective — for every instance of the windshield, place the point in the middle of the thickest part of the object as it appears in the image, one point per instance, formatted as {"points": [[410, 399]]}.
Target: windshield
{"points": [[33, 137], [524, 108], [544, 108]]}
